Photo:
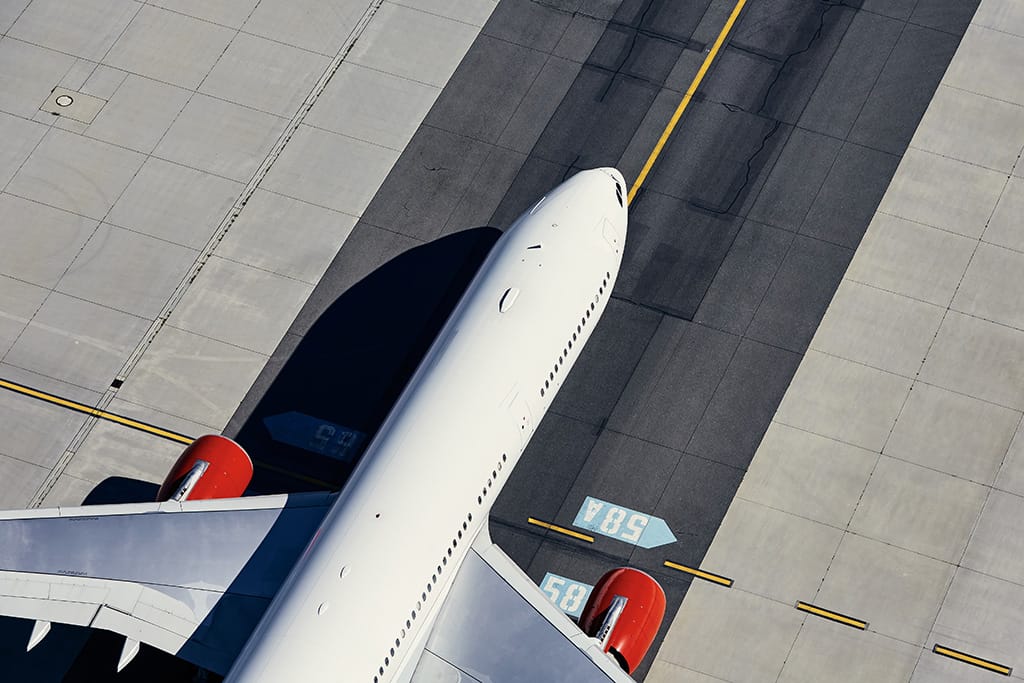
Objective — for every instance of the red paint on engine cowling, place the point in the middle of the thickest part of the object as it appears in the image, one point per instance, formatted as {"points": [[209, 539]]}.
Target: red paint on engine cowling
{"points": [[640, 620], [228, 475]]}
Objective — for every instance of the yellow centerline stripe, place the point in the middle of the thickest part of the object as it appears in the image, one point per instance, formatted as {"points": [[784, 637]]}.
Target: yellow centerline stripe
{"points": [[141, 426], [560, 529], [829, 614], [96, 412], [665, 134], [699, 573], [970, 659]]}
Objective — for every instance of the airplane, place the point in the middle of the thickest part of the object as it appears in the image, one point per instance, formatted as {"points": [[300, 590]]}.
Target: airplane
{"points": [[395, 577]]}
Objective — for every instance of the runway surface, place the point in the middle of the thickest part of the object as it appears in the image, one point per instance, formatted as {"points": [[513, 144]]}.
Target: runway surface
{"points": [[738, 240]]}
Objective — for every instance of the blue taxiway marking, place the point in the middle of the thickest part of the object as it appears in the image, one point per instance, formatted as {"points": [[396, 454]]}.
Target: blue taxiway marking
{"points": [[615, 521], [315, 435], [568, 595]]}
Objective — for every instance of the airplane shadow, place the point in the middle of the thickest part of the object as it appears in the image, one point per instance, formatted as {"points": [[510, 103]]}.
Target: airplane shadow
{"points": [[348, 370]]}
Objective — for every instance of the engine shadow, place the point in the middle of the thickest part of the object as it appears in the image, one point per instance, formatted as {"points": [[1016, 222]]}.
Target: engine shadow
{"points": [[349, 368]]}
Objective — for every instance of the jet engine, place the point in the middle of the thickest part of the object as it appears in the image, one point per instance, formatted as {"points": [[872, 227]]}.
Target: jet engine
{"points": [[212, 466], [624, 613]]}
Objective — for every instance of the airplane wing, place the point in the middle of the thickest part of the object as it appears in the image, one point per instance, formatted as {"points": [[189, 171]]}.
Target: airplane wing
{"points": [[496, 626], [190, 578]]}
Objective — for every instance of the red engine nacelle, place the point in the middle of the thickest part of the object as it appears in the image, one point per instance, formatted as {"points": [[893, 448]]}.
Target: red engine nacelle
{"points": [[638, 621], [227, 473]]}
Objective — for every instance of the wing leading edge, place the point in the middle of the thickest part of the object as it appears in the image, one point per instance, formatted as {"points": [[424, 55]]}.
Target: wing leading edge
{"points": [[189, 578], [496, 626]]}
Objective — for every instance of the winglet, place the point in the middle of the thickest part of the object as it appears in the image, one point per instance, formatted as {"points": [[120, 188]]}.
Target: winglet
{"points": [[39, 631], [128, 652]]}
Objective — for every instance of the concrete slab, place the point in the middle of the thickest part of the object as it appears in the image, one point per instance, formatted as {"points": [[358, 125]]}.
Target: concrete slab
{"points": [[39, 433], [85, 29], [74, 105], [807, 475], [170, 47], [60, 236], [972, 128], [919, 509], [799, 293], [878, 328], [309, 24], [175, 203], [413, 44], [220, 137], [265, 75], [743, 278], [731, 635], [904, 88], [795, 180], [996, 545], [980, 64], [18, 137], [1002, 15], [240, 305], [91, 340], [76, 173], [21, 479], [226, 12], [1011, 473], [27, 74], [138, 113], [67, 490], [896, 591], [833, 652], [663, 671], [843, 400], [503, 97], [128, 452], [772, 553], [943, 192], [127, 271], [308, 170], [9, 12], [373, 106], [193, 377], [679, 354], [262, 236], [473, 12], [953, 433], [993, 371], [911, 259], [1004, 226], [18, 303], [748, 394], [159, 418], [994, 272], [52, 385], [979, 616], [849, 195], [537, 107]]}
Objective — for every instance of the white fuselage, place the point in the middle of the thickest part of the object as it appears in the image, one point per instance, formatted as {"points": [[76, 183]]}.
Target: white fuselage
{"points": [[371, 580]]}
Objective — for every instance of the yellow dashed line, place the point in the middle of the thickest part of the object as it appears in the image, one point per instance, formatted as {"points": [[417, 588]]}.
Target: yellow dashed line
{"points": [[665, 134], [700, 574], [560, 529], [971, 659], [833, 616]]}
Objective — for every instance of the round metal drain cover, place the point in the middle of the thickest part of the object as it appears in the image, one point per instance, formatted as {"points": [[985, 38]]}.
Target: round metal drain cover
{"points": [[64, 100]]}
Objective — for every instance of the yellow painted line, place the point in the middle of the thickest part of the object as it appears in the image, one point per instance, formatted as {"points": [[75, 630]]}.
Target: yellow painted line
{"points": [[971, 659], [665, 134], [96, 412], [700, 574], [829, 614], [560, 529], [141, 426]]}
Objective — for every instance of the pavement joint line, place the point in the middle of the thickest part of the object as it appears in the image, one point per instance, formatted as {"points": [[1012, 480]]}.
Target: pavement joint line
{"points": [[832, 616], [139, 425], [700, 573], [560, 529], [971, 659], [683, 103]]}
